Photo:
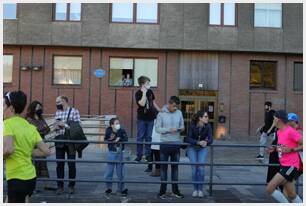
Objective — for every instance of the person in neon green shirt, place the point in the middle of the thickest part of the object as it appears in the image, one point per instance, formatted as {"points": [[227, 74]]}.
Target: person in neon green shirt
{"points": [[21, 141]]}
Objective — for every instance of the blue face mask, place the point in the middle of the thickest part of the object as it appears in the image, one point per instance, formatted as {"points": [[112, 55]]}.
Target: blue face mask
{"points": [[59, 107]]}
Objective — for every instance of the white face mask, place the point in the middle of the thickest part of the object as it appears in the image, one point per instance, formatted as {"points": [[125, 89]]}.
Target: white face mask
{"points": [[117, 126], [147, 86]]}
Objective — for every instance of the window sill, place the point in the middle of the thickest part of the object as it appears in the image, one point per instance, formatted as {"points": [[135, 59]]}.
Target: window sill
{"points": [[298, 92], [66, 86], [129, 88], [270, 91], [133, 23]]}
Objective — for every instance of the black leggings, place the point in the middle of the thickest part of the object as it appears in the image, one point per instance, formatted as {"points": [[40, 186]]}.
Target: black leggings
{"points": [[17, 190]]}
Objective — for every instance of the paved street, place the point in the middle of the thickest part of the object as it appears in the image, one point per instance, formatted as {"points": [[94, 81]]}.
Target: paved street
{"points": [[145, 193]]}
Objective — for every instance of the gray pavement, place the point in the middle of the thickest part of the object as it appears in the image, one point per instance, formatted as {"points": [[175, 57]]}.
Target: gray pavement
{"points": [[93, 192]]}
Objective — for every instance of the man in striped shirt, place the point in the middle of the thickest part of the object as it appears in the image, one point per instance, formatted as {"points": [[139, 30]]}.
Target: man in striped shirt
{"points": [[61, 117]]}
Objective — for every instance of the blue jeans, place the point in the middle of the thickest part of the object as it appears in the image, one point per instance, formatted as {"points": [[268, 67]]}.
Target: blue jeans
{"points": [[174, 154], [144, 132], [198, 171], [114, 156]]}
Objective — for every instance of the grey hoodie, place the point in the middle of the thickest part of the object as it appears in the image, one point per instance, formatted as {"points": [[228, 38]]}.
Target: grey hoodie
{"points": [[167, 120]]}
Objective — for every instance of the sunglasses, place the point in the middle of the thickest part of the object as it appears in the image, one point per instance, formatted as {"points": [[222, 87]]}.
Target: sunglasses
{"points": [[205, 116]]}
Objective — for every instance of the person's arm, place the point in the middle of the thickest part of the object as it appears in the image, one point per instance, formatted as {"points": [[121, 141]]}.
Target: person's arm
{"points": [[42, 150], [76, 116], [142, 101], [8, 146], [181, 124], [210, 137], [189, 138], [156, 106], [159, 125]]}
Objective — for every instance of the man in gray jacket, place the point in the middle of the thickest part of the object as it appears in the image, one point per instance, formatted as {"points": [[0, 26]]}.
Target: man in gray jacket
{"points": [[169, 124]]}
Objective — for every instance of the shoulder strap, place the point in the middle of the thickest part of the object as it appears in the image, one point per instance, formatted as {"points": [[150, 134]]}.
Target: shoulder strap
{"points": [[69, 114]]}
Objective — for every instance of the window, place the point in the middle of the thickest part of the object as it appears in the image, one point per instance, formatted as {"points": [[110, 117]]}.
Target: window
{"points": [[67, 70], [263, 75], [125, 71], [298, 76], [67, 12], [7, 68], [223, 14], [135, 13], [268, 15], [9, 11]]}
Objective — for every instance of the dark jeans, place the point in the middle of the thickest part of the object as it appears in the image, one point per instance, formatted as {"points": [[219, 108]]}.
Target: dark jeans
{"points": [[144, 132], [60, 169], [155, 155], [173, 152]]}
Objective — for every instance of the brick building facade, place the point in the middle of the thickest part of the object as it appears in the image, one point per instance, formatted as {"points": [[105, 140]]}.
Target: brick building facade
{"points": [[208, 66]]}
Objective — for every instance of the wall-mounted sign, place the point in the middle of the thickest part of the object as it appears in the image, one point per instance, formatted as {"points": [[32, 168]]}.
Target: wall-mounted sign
{"points": [[100, 73]]}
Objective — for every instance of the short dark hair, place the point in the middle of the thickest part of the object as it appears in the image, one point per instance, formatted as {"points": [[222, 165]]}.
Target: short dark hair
{"points": [[282, 115], [142, 79], [269, 104], [18, 99], [174, 99], [64, 98], [112, 121]]}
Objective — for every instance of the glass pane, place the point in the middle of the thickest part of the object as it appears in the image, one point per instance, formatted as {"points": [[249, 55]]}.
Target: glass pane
{"points": [[147, 13], [9, 11], [268, 15], [122, 12], [298, 77], [255, 77], [146, 67], [261, 18], [269, 74], [7, 68], [60, 11], [67, 70], [275, 18], [215, 13], [229, 14], [75, 12], [121, 72]]}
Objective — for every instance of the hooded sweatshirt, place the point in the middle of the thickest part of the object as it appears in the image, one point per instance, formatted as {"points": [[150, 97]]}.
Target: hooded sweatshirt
{"points": [[167, 120]]}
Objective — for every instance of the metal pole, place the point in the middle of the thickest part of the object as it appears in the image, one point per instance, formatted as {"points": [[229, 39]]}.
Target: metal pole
{"points": [[121, 165], [211, 169]]}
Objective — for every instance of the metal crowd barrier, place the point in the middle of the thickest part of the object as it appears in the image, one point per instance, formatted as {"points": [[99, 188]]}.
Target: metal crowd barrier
{"points": [[211, 163]]}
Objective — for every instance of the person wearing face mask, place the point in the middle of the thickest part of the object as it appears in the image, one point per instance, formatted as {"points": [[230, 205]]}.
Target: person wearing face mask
{"points": [[21, 141], [63, 114], [265, 135], [34, 116], [114, 134], [146, 113]]}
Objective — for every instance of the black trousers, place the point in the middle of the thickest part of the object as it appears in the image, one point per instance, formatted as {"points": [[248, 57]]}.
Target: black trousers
{"points": [[17, 190], [60, 168], [155, 155]]}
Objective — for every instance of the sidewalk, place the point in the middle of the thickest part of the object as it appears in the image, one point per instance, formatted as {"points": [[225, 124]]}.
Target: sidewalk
{"points": [[147, 193]]}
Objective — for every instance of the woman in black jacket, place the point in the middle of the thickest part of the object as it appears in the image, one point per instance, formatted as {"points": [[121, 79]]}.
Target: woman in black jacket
{"points": [[199, 135]]}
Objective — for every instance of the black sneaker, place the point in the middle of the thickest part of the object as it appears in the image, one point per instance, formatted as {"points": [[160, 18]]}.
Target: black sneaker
{"points": [[149, 159], [137, 159], [178, 194], [148, 170], [124, 192], [108, 191], [260, 157], [162, 195]]}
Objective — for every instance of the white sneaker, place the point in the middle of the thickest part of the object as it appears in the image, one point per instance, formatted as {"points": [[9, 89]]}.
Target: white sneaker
{"points": [[195, 193], [200, 193]]}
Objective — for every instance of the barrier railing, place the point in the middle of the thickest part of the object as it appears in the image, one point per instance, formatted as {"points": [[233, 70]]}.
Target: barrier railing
{"points": [[211, 163]]}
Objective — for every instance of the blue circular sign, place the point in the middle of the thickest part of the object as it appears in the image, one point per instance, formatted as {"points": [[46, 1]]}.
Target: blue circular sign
{"points": [[100, 73]]}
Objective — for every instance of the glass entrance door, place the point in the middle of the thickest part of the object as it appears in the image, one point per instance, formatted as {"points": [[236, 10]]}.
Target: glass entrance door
{"points": [[191, 105]]}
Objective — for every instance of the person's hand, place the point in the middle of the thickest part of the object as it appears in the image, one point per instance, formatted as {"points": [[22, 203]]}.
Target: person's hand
{"points": [[144, 90], [258, 130], [173, 130], [203, 143], [60, 124], [117, 139], [285, 149], [270, 149]]}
